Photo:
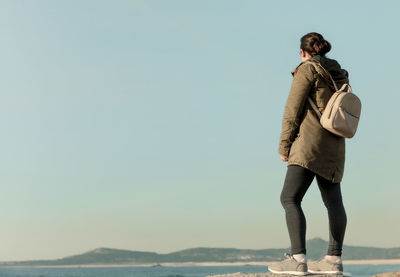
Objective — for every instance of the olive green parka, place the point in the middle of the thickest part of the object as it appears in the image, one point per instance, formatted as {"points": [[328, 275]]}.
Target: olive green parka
{"points": [[303, 140]]}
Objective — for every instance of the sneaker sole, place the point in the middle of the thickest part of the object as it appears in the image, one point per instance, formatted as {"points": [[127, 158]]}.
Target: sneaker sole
{"points": [[330, 272], [289, 272]]}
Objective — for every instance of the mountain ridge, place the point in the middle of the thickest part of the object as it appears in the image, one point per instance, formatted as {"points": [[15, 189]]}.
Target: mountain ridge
{"points": [[316, 248]]}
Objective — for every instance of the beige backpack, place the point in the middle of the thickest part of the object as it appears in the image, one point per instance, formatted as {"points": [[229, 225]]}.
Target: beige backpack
{"points": [[342, 113]]}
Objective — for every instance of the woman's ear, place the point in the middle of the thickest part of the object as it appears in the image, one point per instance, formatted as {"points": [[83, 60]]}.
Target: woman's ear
{"points": [[303, 53]]}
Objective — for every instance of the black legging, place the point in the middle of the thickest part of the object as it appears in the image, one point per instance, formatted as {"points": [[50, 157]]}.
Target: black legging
{"points": [[298, 180]]}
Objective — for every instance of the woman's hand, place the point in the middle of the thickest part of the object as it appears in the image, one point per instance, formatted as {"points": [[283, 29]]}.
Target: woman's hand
{"points": [[283, 158]]}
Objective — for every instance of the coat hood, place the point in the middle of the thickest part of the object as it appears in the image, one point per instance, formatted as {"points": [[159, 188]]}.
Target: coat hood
{"points": [[331, 65]]}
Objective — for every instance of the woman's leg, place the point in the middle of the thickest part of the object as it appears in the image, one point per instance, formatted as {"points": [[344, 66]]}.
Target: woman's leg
{"points": [[332, 197], [298, 180]]}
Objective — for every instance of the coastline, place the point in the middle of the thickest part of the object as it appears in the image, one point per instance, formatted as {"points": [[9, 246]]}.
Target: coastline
{"points": [[349, 262]]}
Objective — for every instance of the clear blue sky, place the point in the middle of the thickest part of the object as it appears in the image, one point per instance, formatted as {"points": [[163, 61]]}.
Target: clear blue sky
{"points": [[154, 125]]}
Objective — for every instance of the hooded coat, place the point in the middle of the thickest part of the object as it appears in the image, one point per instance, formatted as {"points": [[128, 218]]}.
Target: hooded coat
{"points": [[303, 140]]}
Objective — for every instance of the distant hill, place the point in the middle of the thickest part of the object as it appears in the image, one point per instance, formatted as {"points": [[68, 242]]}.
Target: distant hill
{"points": [[316, 248]]}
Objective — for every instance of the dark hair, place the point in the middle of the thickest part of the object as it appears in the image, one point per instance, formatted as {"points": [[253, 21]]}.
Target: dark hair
{"points": [[315, 44]]}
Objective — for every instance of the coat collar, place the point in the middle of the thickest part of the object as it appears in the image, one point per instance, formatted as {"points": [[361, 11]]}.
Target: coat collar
{"points": [[316, 59]]}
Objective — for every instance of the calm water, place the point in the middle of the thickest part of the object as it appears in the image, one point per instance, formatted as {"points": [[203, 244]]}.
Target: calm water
{"points": [[200, 271]]}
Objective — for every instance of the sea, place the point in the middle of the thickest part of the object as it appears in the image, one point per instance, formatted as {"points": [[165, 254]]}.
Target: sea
{"points": [[184, 271]]}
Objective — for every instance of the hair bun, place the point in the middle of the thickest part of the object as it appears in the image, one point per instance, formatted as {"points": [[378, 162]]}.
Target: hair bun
{"points": [[315, 44]]}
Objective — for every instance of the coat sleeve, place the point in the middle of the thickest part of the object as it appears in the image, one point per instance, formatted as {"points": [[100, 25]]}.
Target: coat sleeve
{"points": [[303, 80]]}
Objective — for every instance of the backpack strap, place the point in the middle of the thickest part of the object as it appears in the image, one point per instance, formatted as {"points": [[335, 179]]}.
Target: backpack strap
{"points": [[334, 85], [344, 86], [326, 71], [314, 107]]}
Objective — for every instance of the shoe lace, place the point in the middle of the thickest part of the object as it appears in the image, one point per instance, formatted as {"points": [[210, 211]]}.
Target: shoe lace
{"points": [[288, 256]]}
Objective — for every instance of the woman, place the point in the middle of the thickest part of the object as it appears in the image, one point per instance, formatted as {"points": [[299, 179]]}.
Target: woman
{"points": [[310, 150]]}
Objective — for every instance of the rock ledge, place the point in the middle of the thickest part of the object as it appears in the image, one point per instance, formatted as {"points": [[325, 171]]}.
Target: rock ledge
{"points": [[269, 274]]}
